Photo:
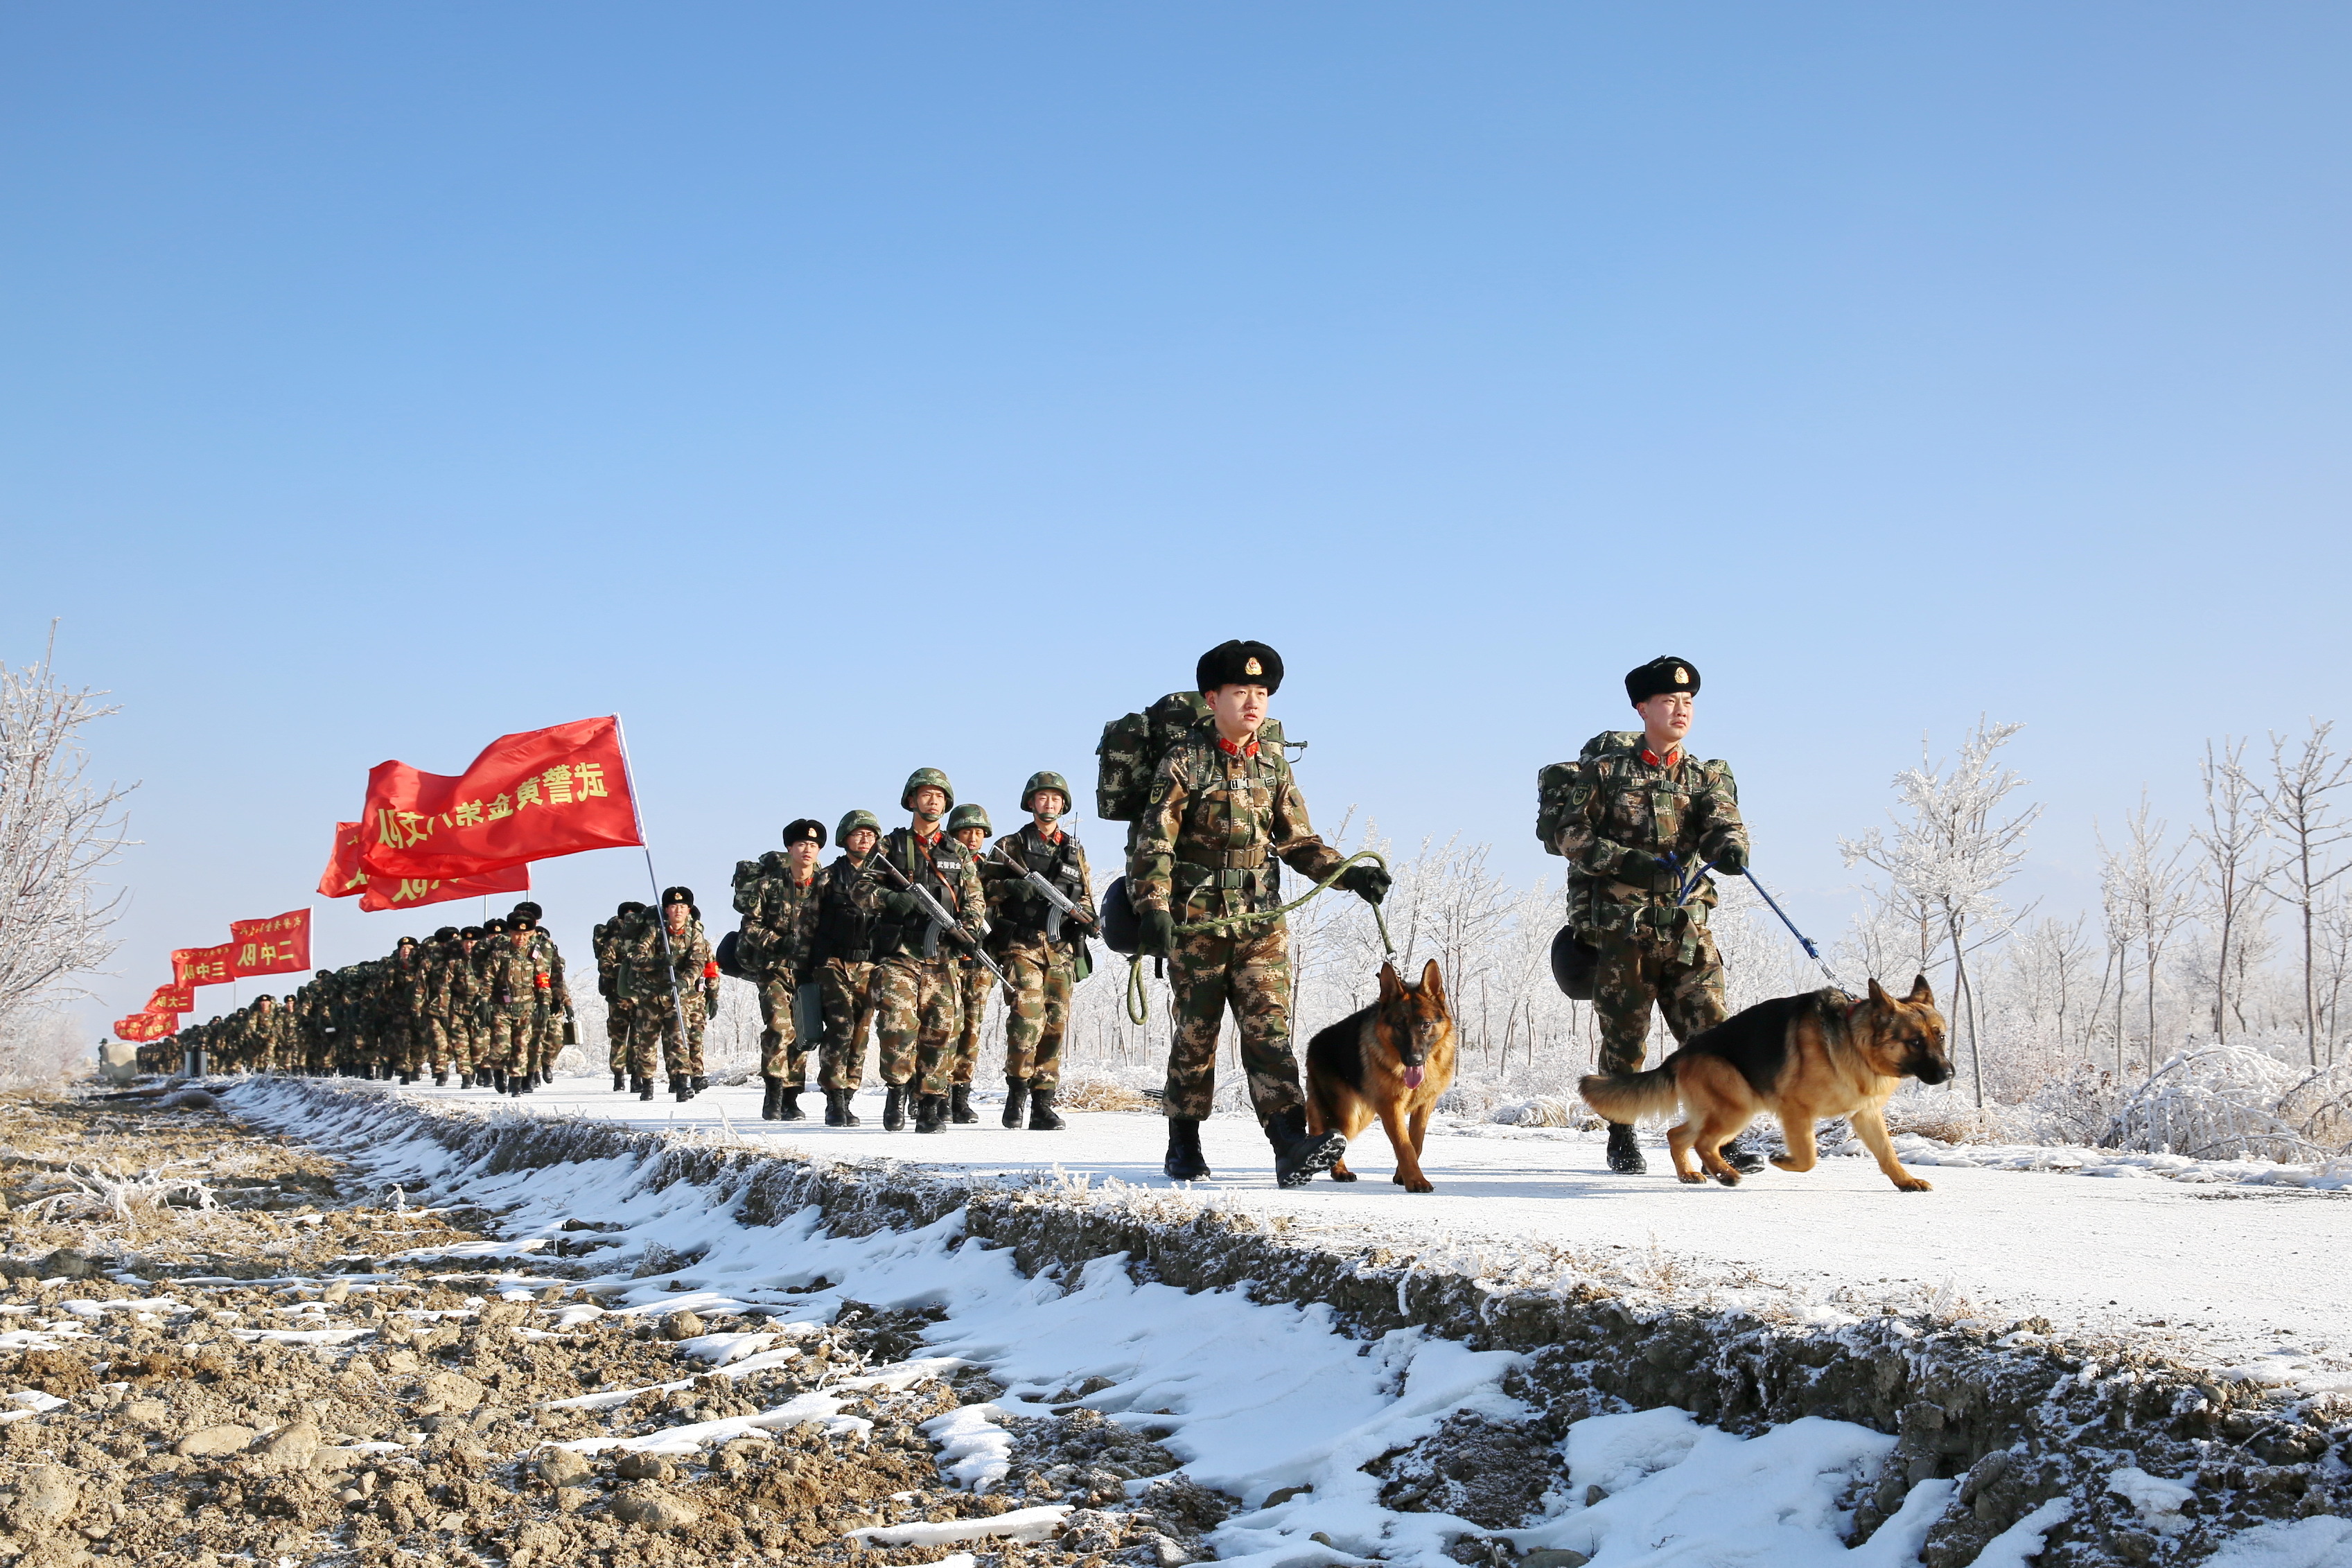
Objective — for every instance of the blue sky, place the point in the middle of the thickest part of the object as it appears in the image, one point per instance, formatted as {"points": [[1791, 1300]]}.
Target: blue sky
{"points": [[834, 390]]}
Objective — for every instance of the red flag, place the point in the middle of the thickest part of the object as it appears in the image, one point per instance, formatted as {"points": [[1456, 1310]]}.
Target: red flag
{"points": [[172, 999], [202, 966], [527, 796], [277, 945], [344, 877], [146, 1026], [409, 893]]}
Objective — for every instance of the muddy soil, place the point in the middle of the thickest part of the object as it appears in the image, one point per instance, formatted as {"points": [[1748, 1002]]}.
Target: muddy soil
{"points": [[213, 1348]]}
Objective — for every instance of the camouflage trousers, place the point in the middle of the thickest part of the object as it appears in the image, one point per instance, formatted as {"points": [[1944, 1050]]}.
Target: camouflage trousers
{"points": [[847, 993], [1684, 979], [972, 985], [548, 1045], [1039, 1014], [506, 1047], [791, 1021], [917, 1008], [451, 1039], [618, 1012], [408, 1038], [1250, 973], [656, 1018]]}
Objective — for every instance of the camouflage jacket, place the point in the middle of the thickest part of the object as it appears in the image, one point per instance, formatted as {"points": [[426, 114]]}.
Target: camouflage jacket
{"points": [[607, 942], [544, 945], [448, 981], [779, 931], [849, 913], [1219, 819], [1016, 911], [649, 967], [404, 984], [944, 869], [1615, 816], [510, 974]]}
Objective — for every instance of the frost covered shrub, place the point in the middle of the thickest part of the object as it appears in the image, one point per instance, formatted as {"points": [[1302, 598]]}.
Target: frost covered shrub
{"points": [[2209, 1102]]}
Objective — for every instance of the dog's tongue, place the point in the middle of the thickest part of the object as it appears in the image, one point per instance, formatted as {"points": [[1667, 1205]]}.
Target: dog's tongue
{"points": [[1412, 1077]]}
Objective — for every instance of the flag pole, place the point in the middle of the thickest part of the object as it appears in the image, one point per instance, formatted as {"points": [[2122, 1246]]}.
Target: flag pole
{"points": [[661, 918]]}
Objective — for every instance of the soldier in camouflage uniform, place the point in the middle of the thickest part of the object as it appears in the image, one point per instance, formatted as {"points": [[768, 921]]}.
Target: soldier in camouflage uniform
{"points": [[444, 964], [672, 978], [969, 826], [548, 1044], [1038, 946], [777, 944], [608, 942], [1223, 810], [916, 1005], [514, 981], [1636, 817], [849, 912], [404, 998]]}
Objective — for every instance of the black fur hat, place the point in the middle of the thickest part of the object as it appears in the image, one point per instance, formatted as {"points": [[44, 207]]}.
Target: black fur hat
{"points": [[445, 934], [472, 933], [677, 895], [630, 906], [1660, 675], [493, 926], [805, 828], [1237, 661], [527, 909]]}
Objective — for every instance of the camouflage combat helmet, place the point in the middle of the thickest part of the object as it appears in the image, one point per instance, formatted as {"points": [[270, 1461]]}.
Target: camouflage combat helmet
{"points": [[964, 817], [853, 820], [1047, 782], [919, 778]]}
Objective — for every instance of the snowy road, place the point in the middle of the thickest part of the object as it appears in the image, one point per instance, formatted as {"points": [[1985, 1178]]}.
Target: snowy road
{"points": [[2227, 1275]]}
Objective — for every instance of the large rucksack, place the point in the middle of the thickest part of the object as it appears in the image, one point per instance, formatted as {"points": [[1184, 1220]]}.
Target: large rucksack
{"points": [[1573, 960]]}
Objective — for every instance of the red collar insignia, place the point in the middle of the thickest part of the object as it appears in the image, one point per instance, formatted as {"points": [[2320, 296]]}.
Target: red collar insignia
{"points": [[1229, 750], [1669, 760]]}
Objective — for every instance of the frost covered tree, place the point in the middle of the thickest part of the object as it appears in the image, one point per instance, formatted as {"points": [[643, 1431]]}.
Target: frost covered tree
{"points": [[2155, 895], [1957, 842], [2301, 805], [56, 833], [2231, 873]]}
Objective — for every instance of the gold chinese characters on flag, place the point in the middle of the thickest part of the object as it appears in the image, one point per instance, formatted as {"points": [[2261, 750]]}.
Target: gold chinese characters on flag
{"points": [[277, 945], [202, 966], [344, 877], [142, 1027], [527, 796]]}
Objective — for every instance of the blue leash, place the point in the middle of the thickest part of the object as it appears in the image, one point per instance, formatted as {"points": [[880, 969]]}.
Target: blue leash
{"points": [[1803, 941]]}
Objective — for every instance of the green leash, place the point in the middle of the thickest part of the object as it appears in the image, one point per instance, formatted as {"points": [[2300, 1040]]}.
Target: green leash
{"points": [[1139, 1001]]}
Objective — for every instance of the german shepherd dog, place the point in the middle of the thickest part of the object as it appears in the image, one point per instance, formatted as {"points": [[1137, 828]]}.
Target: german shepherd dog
{"points": [[1390, 1061], [1803, 1059]]}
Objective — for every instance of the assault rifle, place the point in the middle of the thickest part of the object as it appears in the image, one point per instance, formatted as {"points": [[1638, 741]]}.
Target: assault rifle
{"points": [[879, 862], [1064, 906]]}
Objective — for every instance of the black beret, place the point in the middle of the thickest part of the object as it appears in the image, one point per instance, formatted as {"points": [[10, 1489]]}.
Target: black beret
{"points": [[1238, 663], [1660, 675], [805, 828], [677, 895]]}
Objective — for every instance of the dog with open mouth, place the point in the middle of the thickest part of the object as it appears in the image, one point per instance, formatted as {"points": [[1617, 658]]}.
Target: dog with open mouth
{"points": [[1391, 1062]]}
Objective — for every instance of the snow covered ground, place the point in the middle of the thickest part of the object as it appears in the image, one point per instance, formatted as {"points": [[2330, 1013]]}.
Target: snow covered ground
{"points": [[1260, 1400], [2224, 1265]]}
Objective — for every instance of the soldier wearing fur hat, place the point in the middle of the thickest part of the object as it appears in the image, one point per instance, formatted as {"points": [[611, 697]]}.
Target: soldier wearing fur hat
{"points": [[547, 1043], [849, 912], [1038, 945], [1224, 810], [445, 972], [672, 978], [1639, 820], [515, 982], [606, 941], [916, 1002], [776, 945]]}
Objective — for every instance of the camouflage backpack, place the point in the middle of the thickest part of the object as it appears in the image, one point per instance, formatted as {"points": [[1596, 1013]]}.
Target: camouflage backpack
{"points": [[1131, 748], [1555, 790]]}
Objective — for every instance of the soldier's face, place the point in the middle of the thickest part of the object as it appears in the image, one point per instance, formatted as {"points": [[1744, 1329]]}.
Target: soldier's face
{"points": [[859, 843], [971, 838], [1667, 716], [1239, 709], [1046, 805], [930, 803], [674, 916], [803, 856]]}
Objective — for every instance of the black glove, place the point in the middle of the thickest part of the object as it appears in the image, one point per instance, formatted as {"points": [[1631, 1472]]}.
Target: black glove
{"points": [[1155, 933], [1367, 881], [905, 905], [1731, 860]]}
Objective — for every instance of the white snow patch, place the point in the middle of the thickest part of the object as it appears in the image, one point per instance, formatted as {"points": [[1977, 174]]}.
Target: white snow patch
{"points": [[2159, 1502], [1021, 1524], [2321, 1542], [2022, 1542]]}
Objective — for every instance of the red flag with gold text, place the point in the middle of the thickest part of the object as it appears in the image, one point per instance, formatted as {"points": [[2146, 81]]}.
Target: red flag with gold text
{"points": [[172, 999], [146, 1026], [344, 876], [527, 796], [277, 945], [202, 966]]}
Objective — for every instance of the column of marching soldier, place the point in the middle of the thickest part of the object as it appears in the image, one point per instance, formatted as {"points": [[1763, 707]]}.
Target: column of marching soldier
{"points": [[906, 933]]}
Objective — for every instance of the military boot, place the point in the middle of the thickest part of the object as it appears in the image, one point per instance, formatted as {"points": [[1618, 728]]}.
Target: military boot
{"points": [[620, 1082], [700, 1083], [894, 1108], [645, 1086], [1300, 1156], [1184, 1162], [678, 1087], [441, 1081], [1740, 1155], [931, 1112], [836, 1108], [1624, 1154], [1016, 1101], [1041, 1112], [499, 1080], [959, 1109], [788, 1103], [769, 1102]]}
